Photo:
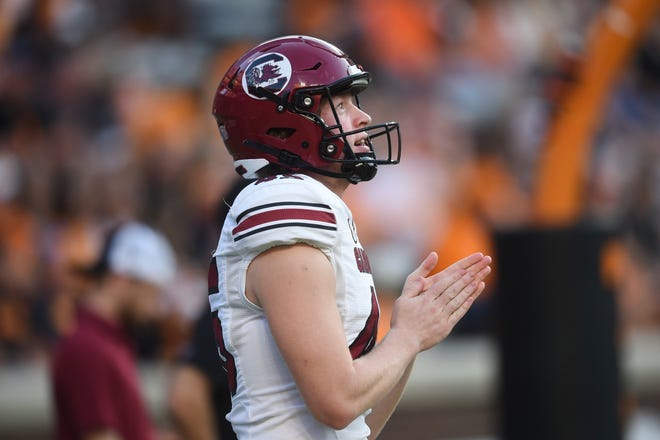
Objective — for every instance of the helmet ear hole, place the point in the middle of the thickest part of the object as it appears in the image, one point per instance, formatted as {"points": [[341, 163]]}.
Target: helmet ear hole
{"points": [[281, 132]]}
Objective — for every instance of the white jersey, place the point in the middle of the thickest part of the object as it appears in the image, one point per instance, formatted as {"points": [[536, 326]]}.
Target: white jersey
{"points": [[284, 210]]}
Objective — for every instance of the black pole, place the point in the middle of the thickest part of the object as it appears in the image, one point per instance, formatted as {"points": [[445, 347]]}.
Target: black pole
{"points": [[556, 329]]}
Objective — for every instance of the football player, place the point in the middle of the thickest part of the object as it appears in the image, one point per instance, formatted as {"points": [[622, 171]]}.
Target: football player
{"points": [[290, 286]]}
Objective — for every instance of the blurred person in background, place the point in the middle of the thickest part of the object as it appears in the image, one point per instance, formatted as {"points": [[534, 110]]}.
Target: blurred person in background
{"points": [[96, 387], [199, 398], [290, 285]]}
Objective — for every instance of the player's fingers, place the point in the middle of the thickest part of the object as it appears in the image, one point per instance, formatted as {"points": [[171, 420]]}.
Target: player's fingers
{"points": [[458, 314], [416, 281], [453, 304], [466, 262], [458, 278], [447, 289], [461, 265]]}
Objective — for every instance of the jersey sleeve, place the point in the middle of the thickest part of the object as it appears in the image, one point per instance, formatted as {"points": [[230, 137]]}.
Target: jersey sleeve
{"points": [[282, 212]]}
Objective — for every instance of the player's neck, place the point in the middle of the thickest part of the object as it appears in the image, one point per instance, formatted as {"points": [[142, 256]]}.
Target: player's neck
{"points": [[337, 186]]}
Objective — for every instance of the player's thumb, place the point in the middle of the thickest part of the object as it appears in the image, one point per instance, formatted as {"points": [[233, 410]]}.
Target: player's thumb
{"points": [[415, 281]]}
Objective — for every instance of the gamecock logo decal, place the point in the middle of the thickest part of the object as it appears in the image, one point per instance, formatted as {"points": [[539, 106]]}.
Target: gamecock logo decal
{"points": [[271, 71]]}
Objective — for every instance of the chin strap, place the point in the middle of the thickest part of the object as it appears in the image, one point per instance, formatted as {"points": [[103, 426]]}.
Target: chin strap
{"points": [[353, 172], [360, 171]]}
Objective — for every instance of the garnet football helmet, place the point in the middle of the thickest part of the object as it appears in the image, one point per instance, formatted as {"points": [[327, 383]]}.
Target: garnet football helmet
{"points": [[267, 109]]}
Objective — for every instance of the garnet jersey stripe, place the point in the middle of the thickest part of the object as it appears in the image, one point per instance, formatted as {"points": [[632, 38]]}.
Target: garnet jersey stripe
{"points": [[226, 359], [280, 204], [366, 340], [213, 277], [284, 214]]}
